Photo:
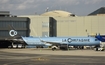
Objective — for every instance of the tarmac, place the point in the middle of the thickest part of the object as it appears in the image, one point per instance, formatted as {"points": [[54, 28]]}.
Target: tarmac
{"points": [[32, 56]]}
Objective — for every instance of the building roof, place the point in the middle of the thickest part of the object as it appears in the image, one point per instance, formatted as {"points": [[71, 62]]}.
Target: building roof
{"points": [[4, 13], [98, 11], [58, 13]]}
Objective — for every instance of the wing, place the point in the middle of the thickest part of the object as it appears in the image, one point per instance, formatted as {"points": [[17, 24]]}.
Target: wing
{"points": [[54, 42]]}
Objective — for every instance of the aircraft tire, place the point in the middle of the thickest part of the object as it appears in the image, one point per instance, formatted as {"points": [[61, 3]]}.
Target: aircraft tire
{"points": [[96, 49], [23, 46], [53, 48], [81, 47]]}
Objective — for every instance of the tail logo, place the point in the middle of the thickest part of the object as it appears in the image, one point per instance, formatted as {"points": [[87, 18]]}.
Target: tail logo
{"points": [[12, 33]]}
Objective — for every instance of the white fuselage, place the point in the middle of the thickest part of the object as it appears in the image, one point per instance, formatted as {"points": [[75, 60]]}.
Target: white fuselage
{"points": [[71, 41]]}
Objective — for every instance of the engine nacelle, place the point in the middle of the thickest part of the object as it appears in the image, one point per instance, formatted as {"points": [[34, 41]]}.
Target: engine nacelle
{"points": [[54, 48], [64, 47]]}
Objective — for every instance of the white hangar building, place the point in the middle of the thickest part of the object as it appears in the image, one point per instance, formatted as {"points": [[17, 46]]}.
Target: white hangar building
{"points": [[62, 23]]}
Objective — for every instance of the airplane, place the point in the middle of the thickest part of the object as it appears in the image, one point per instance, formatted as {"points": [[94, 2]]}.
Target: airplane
{"points": [[62, 42], [55, 42]]}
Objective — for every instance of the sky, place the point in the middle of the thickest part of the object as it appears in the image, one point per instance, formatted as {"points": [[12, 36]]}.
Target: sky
{"points": [[31, 7]]}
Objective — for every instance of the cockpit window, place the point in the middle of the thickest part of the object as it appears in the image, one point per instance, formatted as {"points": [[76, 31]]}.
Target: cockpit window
{"points": [[96, 39]]}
